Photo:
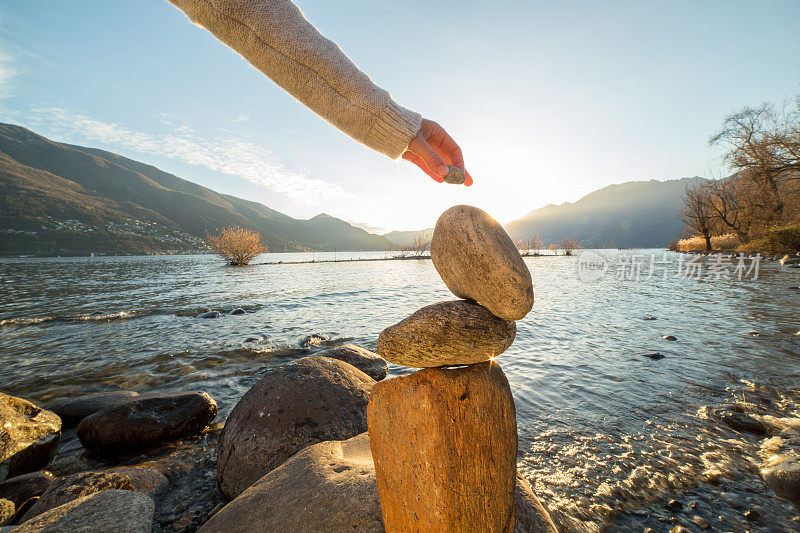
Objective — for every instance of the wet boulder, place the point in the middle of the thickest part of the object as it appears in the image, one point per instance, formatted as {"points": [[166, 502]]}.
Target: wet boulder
{"points": [[143, 479], [29, 436], [329, 486], [110, 510], [449, 333], [22, 488], [531, 515], [477, 261], [368, 362], [784, 479], [146, 421], [209, 314], [69, 488], [7, 510], [73, 410], [310, 400], [742, 421]]}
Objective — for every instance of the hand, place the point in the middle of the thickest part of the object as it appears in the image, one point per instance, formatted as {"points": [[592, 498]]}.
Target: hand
{"points": [[433, 149]]}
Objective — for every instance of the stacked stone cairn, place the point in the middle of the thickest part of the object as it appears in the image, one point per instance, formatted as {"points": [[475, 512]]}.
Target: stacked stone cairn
{"points": [[444, 439]]}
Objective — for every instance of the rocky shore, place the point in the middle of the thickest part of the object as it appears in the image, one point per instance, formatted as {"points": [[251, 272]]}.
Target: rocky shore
{"points": [[326, 442]]}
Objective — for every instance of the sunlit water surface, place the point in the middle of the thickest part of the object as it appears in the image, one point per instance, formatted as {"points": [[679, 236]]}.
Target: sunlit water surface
{"points": [[607, 435]]}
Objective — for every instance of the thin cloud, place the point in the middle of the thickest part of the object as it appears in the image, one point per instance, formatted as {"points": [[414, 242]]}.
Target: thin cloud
{"points": [[242, 117], [7, 72], [228, 155]]}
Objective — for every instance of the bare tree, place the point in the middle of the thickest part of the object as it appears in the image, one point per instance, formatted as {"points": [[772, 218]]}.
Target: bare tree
{"points": [[535, 243], [764, 147], [419, 245], [699, 216], [734, 204], [569, 245]]}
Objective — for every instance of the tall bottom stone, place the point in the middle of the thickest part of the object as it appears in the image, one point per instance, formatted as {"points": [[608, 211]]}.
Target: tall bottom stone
{"points": [[444, 443]]}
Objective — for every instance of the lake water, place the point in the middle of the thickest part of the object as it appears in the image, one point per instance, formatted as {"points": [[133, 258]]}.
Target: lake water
{"points": [[607, 435]]}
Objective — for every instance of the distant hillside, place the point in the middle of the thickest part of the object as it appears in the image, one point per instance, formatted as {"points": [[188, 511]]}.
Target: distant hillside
{"points": [[404, 238], [637, 214], [59, 198]]}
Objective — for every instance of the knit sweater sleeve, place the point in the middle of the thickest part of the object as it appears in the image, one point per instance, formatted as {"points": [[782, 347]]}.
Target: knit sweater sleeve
{"points": [[275, 37]]}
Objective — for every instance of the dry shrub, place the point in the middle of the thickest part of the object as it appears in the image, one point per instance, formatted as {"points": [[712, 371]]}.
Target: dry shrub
{"points": [[729, 241], [238, 246]]}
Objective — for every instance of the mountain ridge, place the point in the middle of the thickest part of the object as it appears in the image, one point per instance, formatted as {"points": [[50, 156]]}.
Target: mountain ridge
{"points": [[634, 214], [59, 198], [93, 187]]}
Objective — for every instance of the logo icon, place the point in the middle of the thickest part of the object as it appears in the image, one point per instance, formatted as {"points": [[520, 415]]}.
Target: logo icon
{"points": [[591, 266]]}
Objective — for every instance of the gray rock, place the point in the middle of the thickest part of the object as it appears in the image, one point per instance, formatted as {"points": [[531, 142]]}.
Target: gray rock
{"points": [[237, 311], [329, 486], [310, 400], [146, 421], [7, 510], [450, 333], [120, 511], [478, 261], [66, 489], [73, 410], [368, 362], [455, 175], [29, 436], [784, 479], [531, 515], [209, 314], [22, 488]]}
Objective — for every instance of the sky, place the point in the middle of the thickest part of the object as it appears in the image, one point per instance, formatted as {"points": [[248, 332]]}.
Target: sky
{"points": [[548, 100]]}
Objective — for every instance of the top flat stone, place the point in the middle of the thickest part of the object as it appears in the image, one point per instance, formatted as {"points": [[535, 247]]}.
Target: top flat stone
{"points": [[477, 260]]}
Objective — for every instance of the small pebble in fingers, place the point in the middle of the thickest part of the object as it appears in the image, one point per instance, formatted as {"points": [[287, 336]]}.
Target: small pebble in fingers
{"points": [[454, 175]]}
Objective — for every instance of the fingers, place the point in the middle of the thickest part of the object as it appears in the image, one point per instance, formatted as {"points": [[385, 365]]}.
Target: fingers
{"points": [[417, 160], [430, 156], [449, 149], [433, 149]]}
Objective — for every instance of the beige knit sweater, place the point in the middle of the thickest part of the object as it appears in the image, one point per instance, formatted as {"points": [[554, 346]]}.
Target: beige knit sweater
{"points": [[275, 37]]}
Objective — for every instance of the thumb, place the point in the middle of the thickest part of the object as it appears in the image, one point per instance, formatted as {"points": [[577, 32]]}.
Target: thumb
{"points": [[431, 158]]}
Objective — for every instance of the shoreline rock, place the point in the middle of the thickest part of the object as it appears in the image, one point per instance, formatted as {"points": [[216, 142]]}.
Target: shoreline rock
{"points": [[449, 333], [328, 486], [109, 510], [306, 401], [69, 488], [7, 511], [368, 362], [531, 516], [73, 410], [22, 488], [146, 421], [30, 436], [784, 479]]}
